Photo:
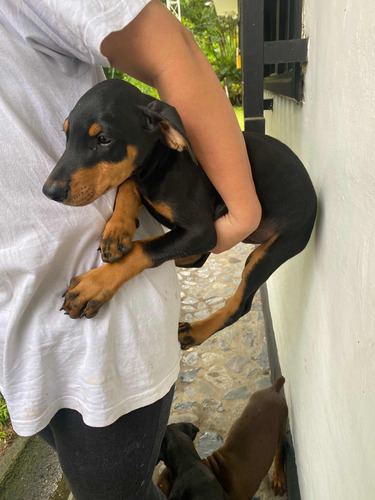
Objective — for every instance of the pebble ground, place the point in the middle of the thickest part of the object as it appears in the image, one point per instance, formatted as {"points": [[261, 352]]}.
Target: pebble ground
{"points": [[217, 378]]}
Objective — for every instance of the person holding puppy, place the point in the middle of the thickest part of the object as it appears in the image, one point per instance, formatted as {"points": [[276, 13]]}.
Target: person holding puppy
{"points": [[99, 391]]}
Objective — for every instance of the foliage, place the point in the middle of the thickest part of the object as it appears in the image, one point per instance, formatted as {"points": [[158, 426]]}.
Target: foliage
{"points": [[218, 38], [4, 419], [240, 115], [146, 89]]}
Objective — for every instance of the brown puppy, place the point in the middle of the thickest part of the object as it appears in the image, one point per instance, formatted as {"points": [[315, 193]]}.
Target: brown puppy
{"points": [[255, 438]]}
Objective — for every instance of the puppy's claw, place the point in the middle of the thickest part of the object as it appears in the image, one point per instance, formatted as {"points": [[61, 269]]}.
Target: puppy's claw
{"points": [[106, 257]]}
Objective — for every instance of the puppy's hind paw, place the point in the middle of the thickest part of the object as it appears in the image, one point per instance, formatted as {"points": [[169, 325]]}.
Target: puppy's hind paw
{"points": [[185, 336], [278, 485]]}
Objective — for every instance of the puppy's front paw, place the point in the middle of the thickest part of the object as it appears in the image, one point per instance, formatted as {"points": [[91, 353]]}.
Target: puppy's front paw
{"points": [[86, 295], [114, 245]]}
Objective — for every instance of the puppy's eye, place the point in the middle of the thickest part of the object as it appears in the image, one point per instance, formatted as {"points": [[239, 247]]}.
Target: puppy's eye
{"points": [[103, 140]]}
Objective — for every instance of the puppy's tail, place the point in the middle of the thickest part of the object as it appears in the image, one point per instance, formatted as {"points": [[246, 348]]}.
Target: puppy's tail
{"points": [[277, 385]]}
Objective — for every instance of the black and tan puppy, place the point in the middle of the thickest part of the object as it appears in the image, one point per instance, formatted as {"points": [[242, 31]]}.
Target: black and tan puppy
{"points": [[118, 137], [256, 438], [188, 478]]}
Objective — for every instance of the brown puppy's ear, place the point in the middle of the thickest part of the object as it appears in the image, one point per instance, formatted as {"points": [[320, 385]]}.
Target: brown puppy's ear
{"points": [[159, 115]]}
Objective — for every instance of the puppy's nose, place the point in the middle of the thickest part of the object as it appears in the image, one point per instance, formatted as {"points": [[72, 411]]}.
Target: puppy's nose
{"points": [[56, 192]]}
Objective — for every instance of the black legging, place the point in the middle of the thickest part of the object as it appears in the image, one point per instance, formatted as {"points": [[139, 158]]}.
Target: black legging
{"points": [[114, 462]]}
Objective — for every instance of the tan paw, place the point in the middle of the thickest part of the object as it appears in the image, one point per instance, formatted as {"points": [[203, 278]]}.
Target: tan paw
{"points": [[116, 240], [278, 484], [86, 295]]}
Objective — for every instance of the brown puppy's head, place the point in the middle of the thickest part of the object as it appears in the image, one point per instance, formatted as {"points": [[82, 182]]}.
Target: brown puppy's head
{"points": [[111, 133]]}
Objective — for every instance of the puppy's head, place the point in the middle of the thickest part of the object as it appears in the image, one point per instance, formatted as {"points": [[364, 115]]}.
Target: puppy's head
{"points": [[110, 133], [175, 434]]}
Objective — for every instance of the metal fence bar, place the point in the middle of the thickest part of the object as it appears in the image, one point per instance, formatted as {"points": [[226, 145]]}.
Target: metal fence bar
{"points": [[252, 26]]}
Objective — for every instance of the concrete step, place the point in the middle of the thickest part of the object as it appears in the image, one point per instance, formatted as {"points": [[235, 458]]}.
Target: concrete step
{"points": [[29, 470]]}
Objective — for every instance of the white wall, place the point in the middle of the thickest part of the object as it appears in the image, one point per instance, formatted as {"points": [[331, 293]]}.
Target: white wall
{"points": [[323, 301]]}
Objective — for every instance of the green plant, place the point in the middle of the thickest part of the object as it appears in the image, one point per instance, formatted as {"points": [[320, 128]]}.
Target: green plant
{"points": [[143, 87], [4, 419], [4, 414], [240, 115], [218, 38]]}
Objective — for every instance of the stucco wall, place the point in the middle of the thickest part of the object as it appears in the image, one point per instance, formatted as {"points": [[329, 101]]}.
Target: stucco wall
{"points": [[323, 301]]}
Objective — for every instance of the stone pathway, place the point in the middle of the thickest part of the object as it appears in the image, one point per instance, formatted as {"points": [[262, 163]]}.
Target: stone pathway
{"points": [[217, 378]]}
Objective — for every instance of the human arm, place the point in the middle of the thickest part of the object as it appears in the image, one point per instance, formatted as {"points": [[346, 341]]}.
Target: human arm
{"points": [[157, 49]]}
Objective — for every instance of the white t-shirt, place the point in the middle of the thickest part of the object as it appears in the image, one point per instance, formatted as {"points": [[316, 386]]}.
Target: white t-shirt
{"points": [[128, 356]]}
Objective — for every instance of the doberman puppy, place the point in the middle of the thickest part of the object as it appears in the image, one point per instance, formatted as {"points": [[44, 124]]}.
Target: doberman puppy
{"points": [[256, 438], [118, 137], [188, 477]]}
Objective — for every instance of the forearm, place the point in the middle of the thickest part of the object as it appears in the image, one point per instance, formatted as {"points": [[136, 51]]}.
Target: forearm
{"points": [[213, 130]]}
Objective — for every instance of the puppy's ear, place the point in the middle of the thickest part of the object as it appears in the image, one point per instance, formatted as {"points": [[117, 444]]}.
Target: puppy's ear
{"points": [[190, 429], [158, 115]]}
